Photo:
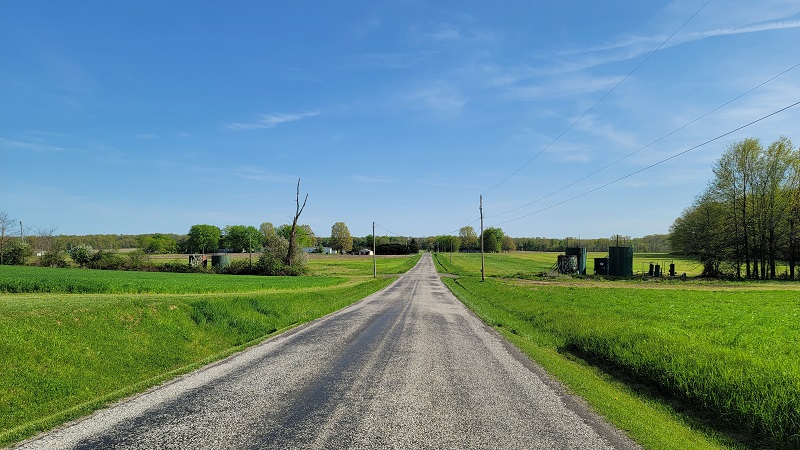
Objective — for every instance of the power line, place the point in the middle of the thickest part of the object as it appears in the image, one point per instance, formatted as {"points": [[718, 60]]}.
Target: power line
{"points": [[389, 231], [648, 145], [601, 99], [655, 164]]}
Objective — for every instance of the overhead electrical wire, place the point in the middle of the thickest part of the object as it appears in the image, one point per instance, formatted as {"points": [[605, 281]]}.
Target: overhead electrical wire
{"points": [[600, 100], [655, 164], [648, 145], [389, 231]]}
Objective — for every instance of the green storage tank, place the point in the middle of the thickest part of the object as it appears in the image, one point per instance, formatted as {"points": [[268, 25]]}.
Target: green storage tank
{"points": [[620, 261], [221, 261], [580, 253]]}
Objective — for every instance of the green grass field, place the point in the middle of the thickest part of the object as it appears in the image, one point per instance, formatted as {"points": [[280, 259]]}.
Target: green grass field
{"points": [[25, 279], [350, 265], [76, 339], [722, 358], [533, 264]]}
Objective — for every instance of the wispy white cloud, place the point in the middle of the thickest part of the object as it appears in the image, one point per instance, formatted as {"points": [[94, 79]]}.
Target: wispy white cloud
{"points": [[31, 146], [633, 46], [440, 98], [753, 28], [563, 87], [270, 121], [607, 131], [398, 60], [255, 173], [371, 179], [448, 33]]}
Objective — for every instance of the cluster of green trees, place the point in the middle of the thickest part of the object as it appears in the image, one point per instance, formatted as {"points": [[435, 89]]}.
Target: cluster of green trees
{"points": [[748, 218], [494, 241], [654, 243]]}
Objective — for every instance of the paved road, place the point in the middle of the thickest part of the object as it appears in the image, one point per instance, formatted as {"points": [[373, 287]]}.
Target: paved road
{"points": [[408, 367]]}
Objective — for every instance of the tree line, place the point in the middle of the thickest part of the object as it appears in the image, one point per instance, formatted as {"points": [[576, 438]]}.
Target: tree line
{"points": [[747, 221], [496, 241]]}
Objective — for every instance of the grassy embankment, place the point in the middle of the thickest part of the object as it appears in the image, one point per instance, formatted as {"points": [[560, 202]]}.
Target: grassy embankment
{"points": [[692, 365], [78, 339]]}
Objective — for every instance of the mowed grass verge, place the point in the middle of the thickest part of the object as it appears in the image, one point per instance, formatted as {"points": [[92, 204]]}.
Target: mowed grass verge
{"points": [[728, 358], [65, 355]]}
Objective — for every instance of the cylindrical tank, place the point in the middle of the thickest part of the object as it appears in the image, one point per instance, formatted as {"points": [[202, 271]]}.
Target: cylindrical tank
{"points": [[580, 253], [620, 261], [221, 261]]}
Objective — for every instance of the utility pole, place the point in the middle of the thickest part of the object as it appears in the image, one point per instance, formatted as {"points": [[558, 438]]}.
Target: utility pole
{"points": [[374, 254], [483, 264]]}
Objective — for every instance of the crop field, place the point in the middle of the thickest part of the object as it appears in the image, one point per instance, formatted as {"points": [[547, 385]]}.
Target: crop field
{"points": [[727, 354], [533, 264], [24, 279], [351, 265], [74, 340]]}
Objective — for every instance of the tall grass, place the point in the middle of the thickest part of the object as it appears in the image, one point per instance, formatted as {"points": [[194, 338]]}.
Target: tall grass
{"points": [[731, 353]]}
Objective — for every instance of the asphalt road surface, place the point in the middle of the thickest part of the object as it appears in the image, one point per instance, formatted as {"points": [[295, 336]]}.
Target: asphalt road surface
{"points": [[408, 367]]}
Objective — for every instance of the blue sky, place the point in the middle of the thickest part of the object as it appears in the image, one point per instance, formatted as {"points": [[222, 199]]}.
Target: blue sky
{"points": [[151, 116]]}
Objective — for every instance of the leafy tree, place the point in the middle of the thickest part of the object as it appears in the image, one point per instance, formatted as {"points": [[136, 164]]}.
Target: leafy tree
{"points": [[5, 223], [700, 233], [158, 243], [508, 244], [242, 238], [493, 240], [448, 243], [340, 237], [268, 231], [306, 237], [752, 205], [469, 239], [303, 234], [413, 247], [203, 237], [81, 254], [16, 251]]}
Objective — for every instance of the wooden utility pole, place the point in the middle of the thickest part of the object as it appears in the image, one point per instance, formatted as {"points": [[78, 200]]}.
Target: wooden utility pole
{"points": [[374, 254], [483, 265]]}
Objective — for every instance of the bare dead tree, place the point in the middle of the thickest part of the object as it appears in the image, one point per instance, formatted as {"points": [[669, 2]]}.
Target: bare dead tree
{"points": [[46, 238], [293, 234]]}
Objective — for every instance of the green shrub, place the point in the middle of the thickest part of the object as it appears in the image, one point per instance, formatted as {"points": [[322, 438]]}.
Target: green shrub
{"points": [[53, 259], [81, 254], [105, 260], [15, 252]]}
